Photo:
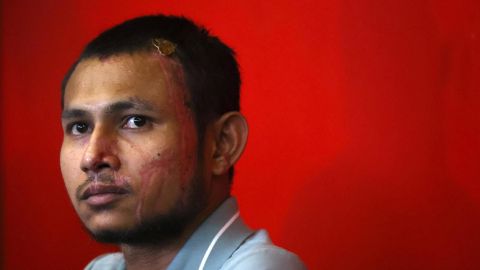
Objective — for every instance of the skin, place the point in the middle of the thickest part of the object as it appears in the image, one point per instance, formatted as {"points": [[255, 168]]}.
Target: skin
{"points": [[126, 127]]}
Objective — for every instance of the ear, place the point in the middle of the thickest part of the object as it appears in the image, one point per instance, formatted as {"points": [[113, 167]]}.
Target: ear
{"points": [[231, 132]]}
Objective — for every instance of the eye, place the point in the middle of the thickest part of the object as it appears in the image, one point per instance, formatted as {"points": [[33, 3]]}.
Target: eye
{"points": [[135, 122], [79, 128]]}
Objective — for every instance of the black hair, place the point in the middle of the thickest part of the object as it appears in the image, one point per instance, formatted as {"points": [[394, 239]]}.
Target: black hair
{"points": [[210, 69]]}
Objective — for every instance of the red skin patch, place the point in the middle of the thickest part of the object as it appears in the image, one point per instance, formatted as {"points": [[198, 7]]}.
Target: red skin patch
{"points": [[180, 163]]}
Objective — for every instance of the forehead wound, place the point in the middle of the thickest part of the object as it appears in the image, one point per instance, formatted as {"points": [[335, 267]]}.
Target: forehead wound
{"points": [[164, 47]]}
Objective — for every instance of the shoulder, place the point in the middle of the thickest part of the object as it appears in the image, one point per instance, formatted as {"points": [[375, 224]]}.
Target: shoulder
{"points": [[258, 252], [111, 261]]}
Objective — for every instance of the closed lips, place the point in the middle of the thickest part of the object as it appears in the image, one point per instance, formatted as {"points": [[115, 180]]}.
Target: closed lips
{"points": [[96, 189]]}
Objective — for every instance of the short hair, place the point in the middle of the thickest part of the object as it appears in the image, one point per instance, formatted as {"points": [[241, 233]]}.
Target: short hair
{"points": [[210, 68]]}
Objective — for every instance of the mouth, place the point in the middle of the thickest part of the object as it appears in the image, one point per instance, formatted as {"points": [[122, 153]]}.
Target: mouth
{"points": [[99, 195]]}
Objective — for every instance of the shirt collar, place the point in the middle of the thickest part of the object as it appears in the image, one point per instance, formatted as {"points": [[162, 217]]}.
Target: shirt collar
{"points": [[191, 254]]}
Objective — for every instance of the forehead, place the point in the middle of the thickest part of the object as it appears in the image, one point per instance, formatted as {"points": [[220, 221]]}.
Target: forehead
{"points": [[140, 75]]}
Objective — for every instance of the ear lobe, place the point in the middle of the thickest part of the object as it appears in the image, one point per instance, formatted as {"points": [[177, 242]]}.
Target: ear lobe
{"points": [[231, 134]]}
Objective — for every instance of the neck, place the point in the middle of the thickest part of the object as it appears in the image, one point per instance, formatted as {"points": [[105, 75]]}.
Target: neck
{"points": [[159, 257], [150, 257]]}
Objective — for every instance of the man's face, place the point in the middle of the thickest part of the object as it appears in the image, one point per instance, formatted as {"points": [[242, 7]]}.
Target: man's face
{"points": [[130, 150]]}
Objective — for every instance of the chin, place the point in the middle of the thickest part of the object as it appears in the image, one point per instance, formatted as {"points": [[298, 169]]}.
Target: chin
{"points": [[161, 229], [106, 221]]}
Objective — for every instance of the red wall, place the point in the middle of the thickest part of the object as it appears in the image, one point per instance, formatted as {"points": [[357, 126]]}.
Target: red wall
{"points": [[365, 119]]}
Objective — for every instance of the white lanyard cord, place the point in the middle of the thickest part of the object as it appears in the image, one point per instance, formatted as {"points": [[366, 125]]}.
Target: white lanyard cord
{"points": [[215, 239]]}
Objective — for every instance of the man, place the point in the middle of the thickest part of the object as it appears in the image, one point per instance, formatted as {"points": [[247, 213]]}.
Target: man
{"points": [[151, 131]]}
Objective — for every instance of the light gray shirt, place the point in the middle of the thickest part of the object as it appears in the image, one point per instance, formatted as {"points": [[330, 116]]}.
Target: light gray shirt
{"points": [[221, 242]]}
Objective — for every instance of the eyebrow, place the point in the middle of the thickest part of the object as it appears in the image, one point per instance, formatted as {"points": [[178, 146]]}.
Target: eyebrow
{"points": [[136, 104], [133, 103], [73, 113]]}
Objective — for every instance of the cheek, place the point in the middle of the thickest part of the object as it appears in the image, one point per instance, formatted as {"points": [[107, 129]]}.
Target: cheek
{"points": [[158, 169], [169, 163], [156, 185], [66, 164], [163, 180], [70, 168]]}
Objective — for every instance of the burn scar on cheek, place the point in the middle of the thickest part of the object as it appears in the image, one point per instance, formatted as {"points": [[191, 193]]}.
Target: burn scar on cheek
{"points": [[178, 98], [176, 163], [153, 175]]}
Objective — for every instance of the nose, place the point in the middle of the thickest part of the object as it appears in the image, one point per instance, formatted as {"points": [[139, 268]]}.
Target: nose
{"points": [[101, 152]]}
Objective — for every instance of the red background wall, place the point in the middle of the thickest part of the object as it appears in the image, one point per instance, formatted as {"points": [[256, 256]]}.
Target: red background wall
{"points": [[365, 123]]}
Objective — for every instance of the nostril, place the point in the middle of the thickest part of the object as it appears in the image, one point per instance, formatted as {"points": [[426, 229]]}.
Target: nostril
{"points": [[96, 167], [100, 162], [102, 165]]}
